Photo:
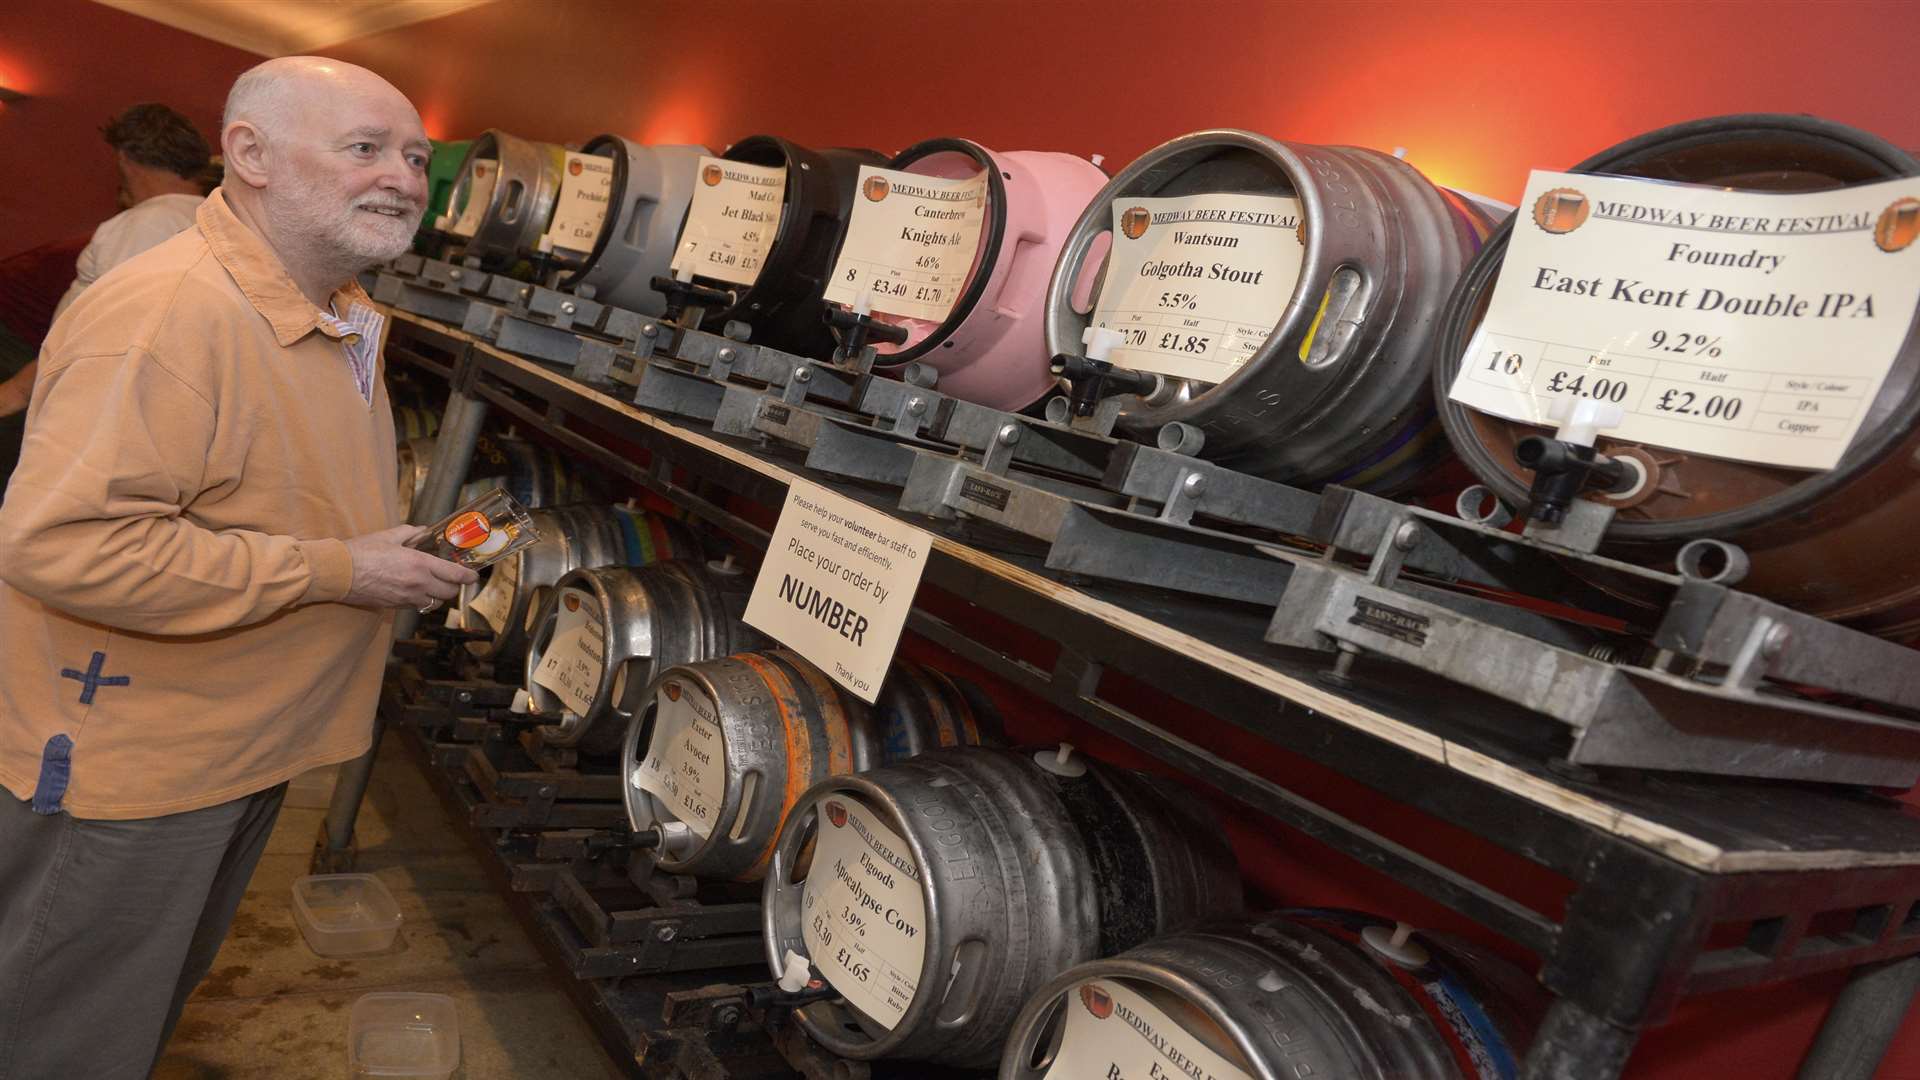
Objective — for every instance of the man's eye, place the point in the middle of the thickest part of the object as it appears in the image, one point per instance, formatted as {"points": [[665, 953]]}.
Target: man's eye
{"points": [[362, 148], [418, 161]]}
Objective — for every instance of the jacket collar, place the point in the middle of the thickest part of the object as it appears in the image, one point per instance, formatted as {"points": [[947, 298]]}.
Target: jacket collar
{"points": [[264, 281]]}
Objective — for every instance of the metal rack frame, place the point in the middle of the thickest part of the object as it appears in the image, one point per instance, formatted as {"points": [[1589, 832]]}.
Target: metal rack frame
{"points": [[1820, 878]]}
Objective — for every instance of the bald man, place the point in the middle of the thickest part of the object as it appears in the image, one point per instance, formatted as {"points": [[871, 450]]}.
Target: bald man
{"points": [[199, 563]]}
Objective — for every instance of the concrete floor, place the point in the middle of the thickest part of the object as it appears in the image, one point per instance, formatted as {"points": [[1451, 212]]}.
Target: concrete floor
{"points": [[272, 1008]]}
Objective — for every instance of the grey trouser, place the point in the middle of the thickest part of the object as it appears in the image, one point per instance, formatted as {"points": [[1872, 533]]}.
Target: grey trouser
{"points": [[107, 926]]}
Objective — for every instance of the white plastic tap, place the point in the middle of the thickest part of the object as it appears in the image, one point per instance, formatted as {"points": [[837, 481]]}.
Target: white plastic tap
{"points": [[1101, 341], [795, 973], [1396, 945], [1060, 761], [1582, 419]]}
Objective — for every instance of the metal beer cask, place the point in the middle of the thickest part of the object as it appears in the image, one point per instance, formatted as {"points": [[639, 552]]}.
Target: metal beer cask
{"points": [[652, 188], [1818, 540], [518, 585], [1336, 393], [652, 618], [520, 204], [782, 726], [920, 708], [783, 305], [413, 456], [992, 347], [535, 474], [571, 537], [1296, 994], [1017, 883]]}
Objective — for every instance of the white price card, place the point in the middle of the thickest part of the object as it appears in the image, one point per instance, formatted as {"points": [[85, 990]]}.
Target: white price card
{"points": [[836, 585], [1735, 324], [911, 240], [862, 916], [1195, 284], [576, 654], [480, 181], [732, 220], [580, 210], [1114, 1033], [488, 608], [686, 763]]}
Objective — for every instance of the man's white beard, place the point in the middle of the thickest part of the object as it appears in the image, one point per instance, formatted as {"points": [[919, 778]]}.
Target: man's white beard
{"points": [[342, 235]]}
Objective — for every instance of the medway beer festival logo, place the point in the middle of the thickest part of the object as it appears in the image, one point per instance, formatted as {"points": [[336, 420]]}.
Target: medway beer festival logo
{"points": [[1561, 210], [574, 167], [1134, 221], [673, 691], [1097, 1000], [876, 188], [1899, 225], [711, 176], [837, 814]]}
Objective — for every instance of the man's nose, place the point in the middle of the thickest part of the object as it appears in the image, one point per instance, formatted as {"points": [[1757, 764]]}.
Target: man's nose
{"points": [[401, 178]]}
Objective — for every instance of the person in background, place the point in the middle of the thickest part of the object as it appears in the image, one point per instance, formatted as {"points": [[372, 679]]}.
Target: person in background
{"points": [[199, 564], [163, 163]]}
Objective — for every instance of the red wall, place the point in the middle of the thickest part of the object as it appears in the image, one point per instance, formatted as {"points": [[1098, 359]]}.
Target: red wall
{"points": [[82, 63], [1477, 93]]}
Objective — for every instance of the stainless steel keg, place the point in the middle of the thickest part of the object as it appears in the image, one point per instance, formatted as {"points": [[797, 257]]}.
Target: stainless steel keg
{"points": [[415, 422], [414, 456], [1817, 541], [937, 894], [519, 201], [611, 630], [1336, 393], [1311, 993], [716, 758], [652, 188], [510, 593]]}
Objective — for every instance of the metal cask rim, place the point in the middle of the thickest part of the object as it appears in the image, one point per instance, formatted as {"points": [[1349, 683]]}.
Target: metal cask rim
{"points": [[537, 168], [1035, 883], [1298, 988], [621, 273], [988, 350], [801, 728], [1478, 280], [1334, 392], [783, 305], [1798, 517], [986, 253]]}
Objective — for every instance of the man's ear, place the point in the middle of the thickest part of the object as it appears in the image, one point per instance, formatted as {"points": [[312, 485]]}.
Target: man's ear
{"points": [[246, 153]]}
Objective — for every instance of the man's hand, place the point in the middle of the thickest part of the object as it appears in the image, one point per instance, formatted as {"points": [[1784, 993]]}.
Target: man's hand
{"points": [[387, 574]]}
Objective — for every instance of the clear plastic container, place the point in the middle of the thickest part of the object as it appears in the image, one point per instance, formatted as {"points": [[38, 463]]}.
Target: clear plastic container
{"points": [[345, 914], [313, 789], [403, 1035]]}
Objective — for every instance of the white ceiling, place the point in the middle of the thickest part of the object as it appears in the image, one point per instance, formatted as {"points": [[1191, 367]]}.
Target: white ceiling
{"points": [[288, 27]]}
